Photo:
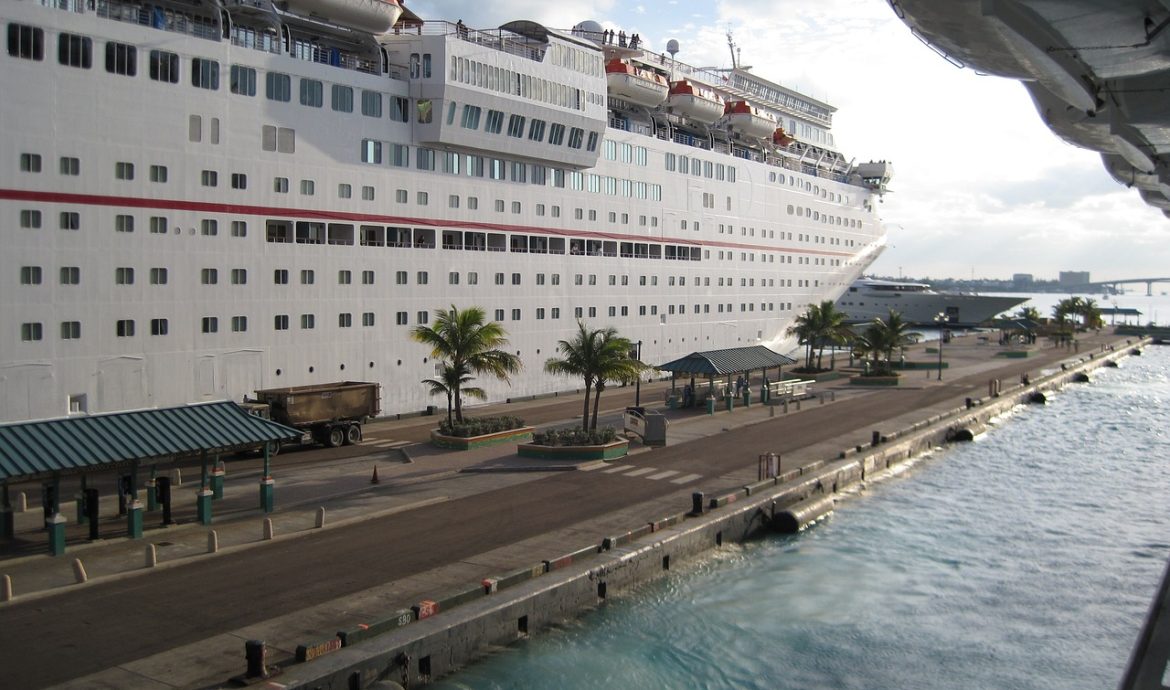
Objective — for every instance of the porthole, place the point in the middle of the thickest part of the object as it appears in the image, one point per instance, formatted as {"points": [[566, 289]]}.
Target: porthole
{"points": [[343, 367], [310, 370], [278, 372]]}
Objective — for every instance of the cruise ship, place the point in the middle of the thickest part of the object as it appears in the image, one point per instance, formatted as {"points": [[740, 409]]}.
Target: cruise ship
{"points": [[870, 298], [203, 198]]}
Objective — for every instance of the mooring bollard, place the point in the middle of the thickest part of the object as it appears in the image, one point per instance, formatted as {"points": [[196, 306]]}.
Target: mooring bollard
{"points": [[697, 503], [320, 517], [79, 571], [212, 542], [876, 439], [5, 588], [151, 555], [268, 533], [254, 653], [22, 502]]}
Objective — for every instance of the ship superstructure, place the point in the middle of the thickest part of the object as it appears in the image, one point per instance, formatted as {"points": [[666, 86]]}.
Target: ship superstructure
{"points": [[203, 199]]}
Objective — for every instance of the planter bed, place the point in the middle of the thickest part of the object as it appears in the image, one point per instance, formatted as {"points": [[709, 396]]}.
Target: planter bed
{"points": [[874, 381], [609, 451], [523, 433]]}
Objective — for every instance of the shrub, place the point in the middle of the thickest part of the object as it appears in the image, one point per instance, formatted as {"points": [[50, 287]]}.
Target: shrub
{"points": [[574, 436], [479, 426]]}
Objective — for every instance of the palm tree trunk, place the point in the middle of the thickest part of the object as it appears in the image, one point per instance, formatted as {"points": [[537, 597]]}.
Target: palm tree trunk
{"points": [[596, 402], [448, 408], [458, 407], [585, 412]]}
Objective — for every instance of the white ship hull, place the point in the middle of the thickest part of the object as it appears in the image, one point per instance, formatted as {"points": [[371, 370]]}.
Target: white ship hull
{"points": [[168, 244]]}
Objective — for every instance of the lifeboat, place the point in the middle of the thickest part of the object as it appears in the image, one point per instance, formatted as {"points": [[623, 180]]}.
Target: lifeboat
{"points": [[635, 84], [781, 138], [747, 119], [374, 16], [695, 102]]}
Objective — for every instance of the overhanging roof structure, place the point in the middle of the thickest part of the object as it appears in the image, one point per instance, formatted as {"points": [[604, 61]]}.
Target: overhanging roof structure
{"points": [[29, 450], [730, 361]]}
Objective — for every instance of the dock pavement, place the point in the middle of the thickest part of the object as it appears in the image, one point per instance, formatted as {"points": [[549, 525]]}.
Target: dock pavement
{"points": [[343, 547]]}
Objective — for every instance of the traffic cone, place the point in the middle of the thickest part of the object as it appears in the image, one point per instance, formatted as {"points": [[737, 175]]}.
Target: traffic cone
{"points": [[374, 479]]}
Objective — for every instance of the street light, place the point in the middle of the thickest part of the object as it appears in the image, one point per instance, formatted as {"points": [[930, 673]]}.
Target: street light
{"points": [[940, 319]]}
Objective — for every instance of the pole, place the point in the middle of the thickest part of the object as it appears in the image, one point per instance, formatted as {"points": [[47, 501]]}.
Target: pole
{"points": [[638, 385], [940, 344]]}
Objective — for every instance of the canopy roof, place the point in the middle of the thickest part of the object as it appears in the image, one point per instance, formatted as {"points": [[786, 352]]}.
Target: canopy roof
{"points": [[730, 361], [73, 444]]}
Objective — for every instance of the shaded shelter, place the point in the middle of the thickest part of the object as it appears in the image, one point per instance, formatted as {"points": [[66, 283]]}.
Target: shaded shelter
{"points": [[85, 445], [726, 362]]}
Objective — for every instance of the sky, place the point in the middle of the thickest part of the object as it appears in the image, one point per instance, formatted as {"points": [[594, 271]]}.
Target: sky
{"points": [[981, 188]]}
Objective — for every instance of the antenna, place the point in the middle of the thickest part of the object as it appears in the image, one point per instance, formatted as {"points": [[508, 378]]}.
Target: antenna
{"points": [[731, 47]]}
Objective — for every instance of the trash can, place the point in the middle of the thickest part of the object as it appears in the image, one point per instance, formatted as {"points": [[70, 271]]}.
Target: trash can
{"points": [[710, 405]]}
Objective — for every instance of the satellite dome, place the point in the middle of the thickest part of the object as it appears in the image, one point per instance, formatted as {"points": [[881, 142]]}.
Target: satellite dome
{"points": [[588, 30], [672, 47]]}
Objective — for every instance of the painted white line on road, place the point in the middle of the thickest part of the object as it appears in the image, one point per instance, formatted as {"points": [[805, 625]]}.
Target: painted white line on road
{"points": [[640, 472], [663, 475], [618, 468], [386, 444], [686, 479], [591, 467]]}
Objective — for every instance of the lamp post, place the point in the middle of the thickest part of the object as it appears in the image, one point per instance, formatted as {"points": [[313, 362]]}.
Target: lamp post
{"points": [[940, 319], [638, 385]]}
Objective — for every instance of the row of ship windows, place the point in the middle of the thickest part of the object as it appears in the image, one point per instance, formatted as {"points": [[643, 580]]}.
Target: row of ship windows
{"points": [[125, 275], [73, 50], [807, 186], [502, 80], [33, 331], [309, 232]]}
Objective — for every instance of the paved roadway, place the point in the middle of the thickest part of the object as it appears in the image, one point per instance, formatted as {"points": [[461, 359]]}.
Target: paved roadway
{"points": [[51, 640]]}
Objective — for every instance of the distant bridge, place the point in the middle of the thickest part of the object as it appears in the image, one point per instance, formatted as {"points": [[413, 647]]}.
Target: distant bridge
{"points": [[1102, 285]]}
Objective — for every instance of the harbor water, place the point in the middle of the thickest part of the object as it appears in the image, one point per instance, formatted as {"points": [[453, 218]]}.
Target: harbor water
{"points": [[1026, 559]]}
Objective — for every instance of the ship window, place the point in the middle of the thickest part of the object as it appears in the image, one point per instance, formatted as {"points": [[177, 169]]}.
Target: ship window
{"points": [[123, 170], [308, 276], [342, 98], [30, 275], [159, 326], [371, 151], [158, 173], [26, 42], [239, 181], [30, 162], [400, 318], [312, 93], [243, 80], [280, 276], [368, 318], [400, 277], [399, 109], [70, 330], [422, 317], [495, 122], [209, 324], [70, 275], [576, 134], [239, 276], [499, 315], [371, 104], [399, 155], [209, 276], [158, 276], [124, 275], [344, 320], [536, 130], [75, 51], [205, 74], [515, 314], [308, 321], [239, 324], [210, 178], [121, 59], [164, 66], [123, 223], [308, 187], [278, 87], [30, 331], [592, 145], [516, 126], [125, 328], [556, 134], [470, 118]]}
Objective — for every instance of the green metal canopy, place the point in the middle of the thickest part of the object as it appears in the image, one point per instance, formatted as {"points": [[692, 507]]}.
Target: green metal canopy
{"points": [[34, 449], [730, 361]]}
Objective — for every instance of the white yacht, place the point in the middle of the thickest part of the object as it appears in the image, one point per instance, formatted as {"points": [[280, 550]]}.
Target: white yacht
{"points": [[869, 298]]}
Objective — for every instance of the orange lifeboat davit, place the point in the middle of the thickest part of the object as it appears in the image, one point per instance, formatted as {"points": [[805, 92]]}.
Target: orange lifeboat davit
{"points": [[747, 119], [695, 102], [781, 138], [635, 84], [374, 16]]}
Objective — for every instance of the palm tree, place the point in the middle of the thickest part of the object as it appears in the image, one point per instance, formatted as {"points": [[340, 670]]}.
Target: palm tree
{"points": [[806, 327], [468, 344], [883, 336], [1030, 312], [576, 359], [613, 363], [449, 381], [597, 356], [832, 328]]}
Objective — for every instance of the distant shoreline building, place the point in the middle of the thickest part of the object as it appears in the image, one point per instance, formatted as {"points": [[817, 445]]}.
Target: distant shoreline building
{"points": [[1073, 278], [1022, 281]]}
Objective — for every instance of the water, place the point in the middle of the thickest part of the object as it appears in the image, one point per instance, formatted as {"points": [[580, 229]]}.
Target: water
{"points": [[1024, 560]]}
